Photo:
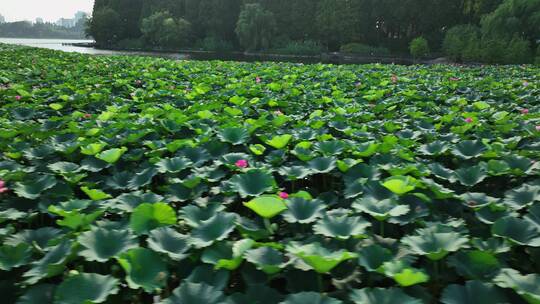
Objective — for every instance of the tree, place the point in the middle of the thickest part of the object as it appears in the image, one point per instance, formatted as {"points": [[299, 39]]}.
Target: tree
{"points": [[255, 27], [105, 26], [514, 17], [419, 47], [461, 41], [161, 29]]}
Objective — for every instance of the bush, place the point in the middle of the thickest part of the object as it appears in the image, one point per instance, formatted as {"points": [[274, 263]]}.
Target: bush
{"points": [[105, 26], [306, 47], [461, 40], [214, 44], [364, 49], [419, 47]]}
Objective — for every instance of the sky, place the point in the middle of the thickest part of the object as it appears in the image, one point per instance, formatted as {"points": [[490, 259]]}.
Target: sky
{"points": [[49, 10]]}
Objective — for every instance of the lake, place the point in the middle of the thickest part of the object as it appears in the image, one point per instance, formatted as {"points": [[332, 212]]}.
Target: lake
{"points": [[59, 45], [63, 45]]}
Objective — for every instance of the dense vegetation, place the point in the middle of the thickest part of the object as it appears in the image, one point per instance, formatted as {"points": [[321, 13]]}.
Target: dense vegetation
{"points": [[472, 30], [127, 179], [25, 29]]}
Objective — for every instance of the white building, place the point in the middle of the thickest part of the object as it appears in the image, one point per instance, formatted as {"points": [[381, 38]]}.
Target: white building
{"points": [[2, 19]]}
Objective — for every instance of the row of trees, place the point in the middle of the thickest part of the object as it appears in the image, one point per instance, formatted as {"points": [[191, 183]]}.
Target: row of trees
{"points": [[299, 26], [25, 29]]}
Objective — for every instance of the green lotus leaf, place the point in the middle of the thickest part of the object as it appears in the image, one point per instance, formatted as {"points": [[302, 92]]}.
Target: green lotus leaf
{"points": [[522, 197], [400, 184], [227, 255], [101, 244], [257, 293], [380, 209], [534, 215], [303, 211], [64, 168], [517, 230], [267, 206], [14, 256], [321, 259], [173, 165], [469, 149], [475, 264], [52, 264], [111, 156], [195, 215], [433, 148], [167, 240], [294, 172], [366, 149], [473, 292], [235, 136], [215, 229], [208, 275], [322, 164], [382, 296], [434, 245], [144, 269], [341, 227], [374, 256], [477, 200], [309, 297], [266, 259], [527, 286], [253, 183], [142, 178], [129, 201], [403, 274], [95, 194], [195, 293], [150, 216], [302, 151], [93, 149], [38, 238], [361, 171], [38, 294], [497, 167], [11, 214], [85, 288], [75, 220], [441, 172], [34, 188], [257, 149], [330, 148], [470, 176], [119, 180], [279, 141]]}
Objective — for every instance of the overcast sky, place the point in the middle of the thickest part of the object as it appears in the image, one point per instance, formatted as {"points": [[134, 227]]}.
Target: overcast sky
{"points": [[49, 10]]}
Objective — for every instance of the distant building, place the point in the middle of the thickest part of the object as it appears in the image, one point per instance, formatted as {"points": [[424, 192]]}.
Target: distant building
{"points": [[39, 20], [2, 19], [71, 22]]}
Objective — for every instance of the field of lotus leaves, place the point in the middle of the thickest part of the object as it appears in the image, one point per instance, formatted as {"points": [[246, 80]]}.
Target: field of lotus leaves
{"points": [[142, 180]]}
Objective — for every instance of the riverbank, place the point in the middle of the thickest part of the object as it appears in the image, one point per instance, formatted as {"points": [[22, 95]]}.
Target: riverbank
{"points": [[334, 57]]}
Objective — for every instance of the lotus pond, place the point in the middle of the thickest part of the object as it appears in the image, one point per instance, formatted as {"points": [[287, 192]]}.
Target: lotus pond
{"points": [[141, 180]]}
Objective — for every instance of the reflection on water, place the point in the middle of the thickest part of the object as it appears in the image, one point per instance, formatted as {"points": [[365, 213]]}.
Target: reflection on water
{"points": [[58, 44]]}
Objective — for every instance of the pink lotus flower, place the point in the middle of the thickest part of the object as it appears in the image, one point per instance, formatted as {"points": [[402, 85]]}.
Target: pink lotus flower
{"points": [[3, 187], [258, 79], [284, 195], [394, 79], [525, 83], [524, 111], [241, 163], [278, 112], [87, 115], [537, 128], [454, 79], [18, 97], [469, 120]]}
